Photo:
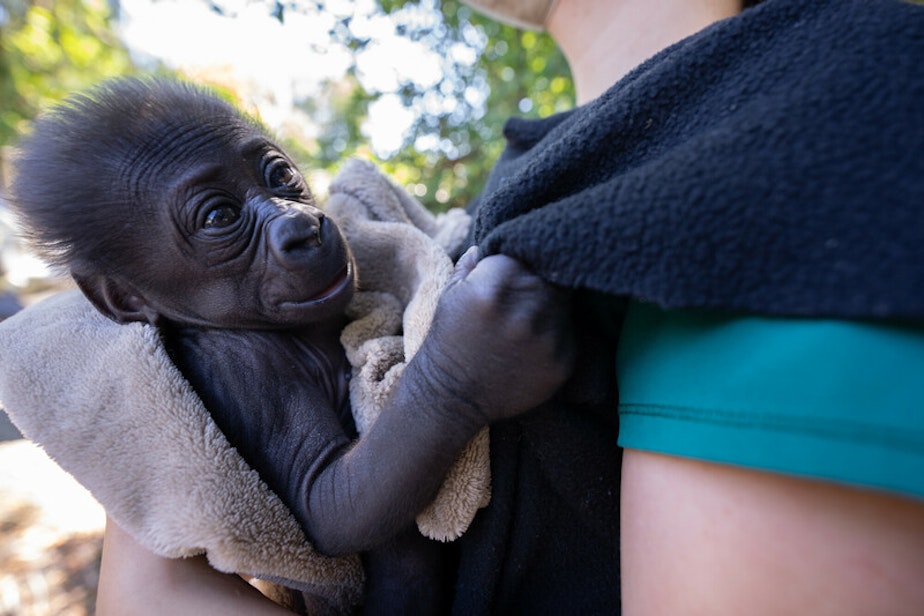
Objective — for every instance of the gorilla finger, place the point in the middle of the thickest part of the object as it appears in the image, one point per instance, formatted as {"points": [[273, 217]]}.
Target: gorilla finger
{"points": [[464, 266], [503, 271]]}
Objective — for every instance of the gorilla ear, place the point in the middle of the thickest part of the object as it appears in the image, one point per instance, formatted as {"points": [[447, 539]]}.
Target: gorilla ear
{"points": [[116, 299]]}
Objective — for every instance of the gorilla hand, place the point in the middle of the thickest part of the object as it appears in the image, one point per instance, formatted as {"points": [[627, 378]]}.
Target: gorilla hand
{"points": [[500, 343]]}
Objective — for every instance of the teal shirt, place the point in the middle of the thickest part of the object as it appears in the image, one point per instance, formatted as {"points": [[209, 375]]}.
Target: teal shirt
{"points": [[827, 399]]}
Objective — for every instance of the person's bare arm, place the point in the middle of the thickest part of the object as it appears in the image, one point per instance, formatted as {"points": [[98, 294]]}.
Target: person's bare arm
{"points": [[136, 582], [700, 538]]}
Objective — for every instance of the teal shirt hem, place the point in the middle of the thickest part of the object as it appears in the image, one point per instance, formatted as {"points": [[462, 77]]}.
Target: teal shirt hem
{"points": [[832, 400]]}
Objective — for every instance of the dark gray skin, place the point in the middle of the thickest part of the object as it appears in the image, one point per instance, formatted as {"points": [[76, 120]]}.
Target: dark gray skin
{"points": [[170, 208]]}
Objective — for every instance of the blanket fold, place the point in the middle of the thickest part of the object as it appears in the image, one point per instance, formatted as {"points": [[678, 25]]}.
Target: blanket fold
{"points": [[107, 404]]}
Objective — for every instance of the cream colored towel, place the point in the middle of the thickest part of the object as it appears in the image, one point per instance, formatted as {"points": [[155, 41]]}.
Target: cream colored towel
{"points": [[401, 256], [107, 404]]}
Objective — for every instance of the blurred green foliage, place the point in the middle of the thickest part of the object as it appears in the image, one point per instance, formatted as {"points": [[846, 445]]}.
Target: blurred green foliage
{"points": [[489, 72], [49, 49]]}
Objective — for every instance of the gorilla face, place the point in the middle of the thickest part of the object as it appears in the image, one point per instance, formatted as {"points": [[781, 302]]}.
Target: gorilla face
{"points": [[238, 241], [165, 202]]}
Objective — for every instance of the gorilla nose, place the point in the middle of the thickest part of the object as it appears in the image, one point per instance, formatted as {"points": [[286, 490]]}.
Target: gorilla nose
{"points": [[292, 235]]}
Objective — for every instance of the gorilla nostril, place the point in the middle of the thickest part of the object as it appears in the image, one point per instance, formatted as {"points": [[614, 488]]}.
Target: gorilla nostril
{"points": [[308, 234]]}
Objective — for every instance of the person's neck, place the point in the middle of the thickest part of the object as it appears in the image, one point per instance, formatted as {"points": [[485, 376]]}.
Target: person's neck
{"points": [[605, 40]]}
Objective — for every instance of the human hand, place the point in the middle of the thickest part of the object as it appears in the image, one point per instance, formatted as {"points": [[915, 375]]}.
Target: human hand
{"points": [[134, 580]]}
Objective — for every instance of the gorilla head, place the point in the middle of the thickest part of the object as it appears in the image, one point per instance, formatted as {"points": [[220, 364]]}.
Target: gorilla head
{"points": [[164, 202]]}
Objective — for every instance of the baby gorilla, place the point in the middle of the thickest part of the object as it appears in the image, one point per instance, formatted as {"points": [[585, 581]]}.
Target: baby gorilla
{"points": [[169, 207]]}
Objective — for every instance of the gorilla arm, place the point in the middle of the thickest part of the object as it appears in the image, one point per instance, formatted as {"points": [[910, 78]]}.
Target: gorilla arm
{"points": [[499, 345], [494, 320]]}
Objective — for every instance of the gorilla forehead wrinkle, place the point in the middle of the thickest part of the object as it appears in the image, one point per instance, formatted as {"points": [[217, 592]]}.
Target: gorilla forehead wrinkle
{"points": [[170, 147]]}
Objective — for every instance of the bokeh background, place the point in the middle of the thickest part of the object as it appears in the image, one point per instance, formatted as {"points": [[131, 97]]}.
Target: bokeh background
{"points": [[420, 88]]}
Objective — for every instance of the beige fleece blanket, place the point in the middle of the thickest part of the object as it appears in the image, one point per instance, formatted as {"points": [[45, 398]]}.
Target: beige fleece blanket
{"points": [[107, 404]]}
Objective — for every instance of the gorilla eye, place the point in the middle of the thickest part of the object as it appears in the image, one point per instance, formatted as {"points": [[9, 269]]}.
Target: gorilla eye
{"points": [[221, 217], [280, 174]]}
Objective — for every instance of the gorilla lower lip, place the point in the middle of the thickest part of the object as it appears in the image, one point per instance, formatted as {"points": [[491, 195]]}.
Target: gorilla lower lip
{"points": [[343, 279]]}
